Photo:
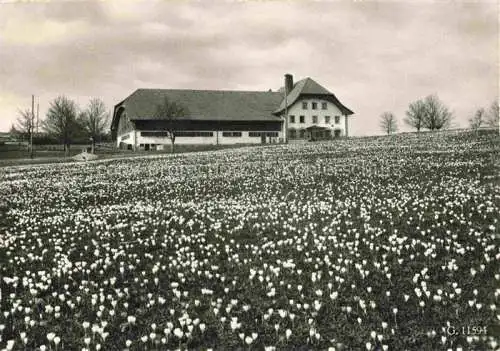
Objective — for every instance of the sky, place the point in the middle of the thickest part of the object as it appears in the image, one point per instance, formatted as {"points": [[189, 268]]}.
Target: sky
{"points": [[375, 56]]}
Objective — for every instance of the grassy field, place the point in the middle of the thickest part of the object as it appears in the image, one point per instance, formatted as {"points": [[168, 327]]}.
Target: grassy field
{"points": [[386, 244], [13, 155]]}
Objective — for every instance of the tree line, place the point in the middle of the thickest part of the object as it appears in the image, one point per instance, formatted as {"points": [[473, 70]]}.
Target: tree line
{"points": [[66, 123], [431, 113]]}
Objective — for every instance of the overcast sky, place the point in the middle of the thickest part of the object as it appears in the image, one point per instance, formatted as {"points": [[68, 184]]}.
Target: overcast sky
{"points": [[374, 56]]}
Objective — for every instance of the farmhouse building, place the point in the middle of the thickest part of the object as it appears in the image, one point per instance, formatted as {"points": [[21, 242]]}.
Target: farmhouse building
{"points": [[307, 111]]}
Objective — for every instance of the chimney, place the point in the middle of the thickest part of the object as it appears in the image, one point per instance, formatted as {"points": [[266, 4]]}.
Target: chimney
{"points": [[288, 83]]}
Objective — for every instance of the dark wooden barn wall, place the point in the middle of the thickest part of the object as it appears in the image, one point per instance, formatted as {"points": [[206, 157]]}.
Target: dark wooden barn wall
{"points": [[211, 125]]}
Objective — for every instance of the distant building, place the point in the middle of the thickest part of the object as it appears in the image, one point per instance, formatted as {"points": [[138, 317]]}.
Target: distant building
{"points": [[10, 139], [231, 117]]}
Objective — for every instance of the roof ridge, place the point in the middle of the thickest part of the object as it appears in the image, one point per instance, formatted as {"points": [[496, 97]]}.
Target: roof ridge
{"points": [[207, 90]]}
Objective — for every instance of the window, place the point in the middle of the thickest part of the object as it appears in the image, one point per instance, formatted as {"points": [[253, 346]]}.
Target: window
{"points": [[327, 119], [324, 106], [292, 119], [337, 119], [163, 133], [314, 105], [304, 105], [302, 119], [315, 119], [259, 134], [302, 133], [231, 134], [194, 134], [292, 134]]}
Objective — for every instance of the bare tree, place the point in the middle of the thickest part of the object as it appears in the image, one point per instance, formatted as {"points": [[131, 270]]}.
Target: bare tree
{"points": [[61, 121], [170, 111], [415, 115], [437, 115], [477, 120], [13, 130], [388, 123], [492, 118], [95, 120], [24, 126]]}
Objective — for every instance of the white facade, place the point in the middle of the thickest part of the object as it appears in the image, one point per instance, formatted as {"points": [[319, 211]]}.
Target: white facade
{"points": [[127, 138], [136, 140], [332, 112], [325, 115]]}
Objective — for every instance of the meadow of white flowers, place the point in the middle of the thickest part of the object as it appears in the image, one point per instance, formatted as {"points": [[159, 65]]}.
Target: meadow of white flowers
{"points": [[390, 244]]}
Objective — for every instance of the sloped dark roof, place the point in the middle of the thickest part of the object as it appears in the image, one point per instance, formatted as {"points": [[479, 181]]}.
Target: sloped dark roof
{"points": [[205, 104], [308, 87]]}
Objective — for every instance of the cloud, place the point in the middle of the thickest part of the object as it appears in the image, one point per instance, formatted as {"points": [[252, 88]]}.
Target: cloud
{"points": [[37, 32], [375, 56]]}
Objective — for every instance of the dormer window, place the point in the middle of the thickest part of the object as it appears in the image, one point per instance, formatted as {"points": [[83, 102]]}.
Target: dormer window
{"points": [[304, 105]]}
